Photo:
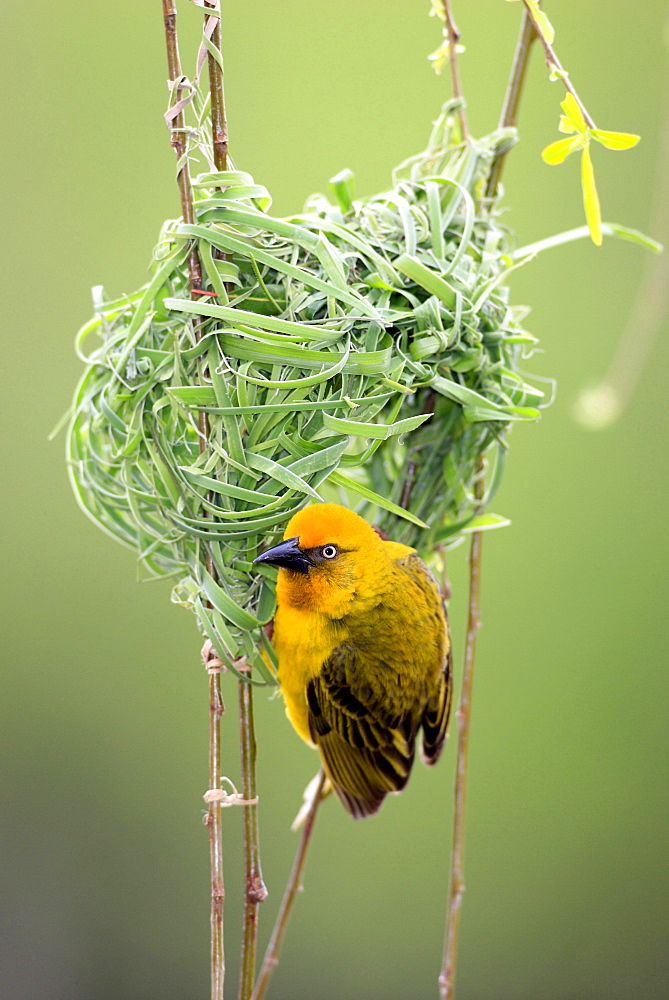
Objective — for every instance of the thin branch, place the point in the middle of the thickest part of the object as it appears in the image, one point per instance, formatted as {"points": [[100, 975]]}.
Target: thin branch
{"points": [[453, 38], [293, 886], [219, 122], [255, 891], [514, 89], [216, 706], [556, 66], [214, 825], [457, 884], [178, 135]]}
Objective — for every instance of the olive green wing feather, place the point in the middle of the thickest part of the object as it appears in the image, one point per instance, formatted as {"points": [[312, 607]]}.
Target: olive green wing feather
{"points": [[366, 753], [434, 721], [435, 717]]}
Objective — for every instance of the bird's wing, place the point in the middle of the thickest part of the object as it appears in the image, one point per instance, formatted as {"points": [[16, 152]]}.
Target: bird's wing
{"points": [[366, 753], [434, 721]]}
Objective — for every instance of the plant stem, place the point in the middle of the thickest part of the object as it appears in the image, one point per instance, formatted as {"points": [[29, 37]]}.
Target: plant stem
{"points": [[554, 63], [457, 885], [453, 38], [216, 706], [514, 89], [178, 137], [214, 825], [219, 123], [293, 886], [508, 117], [255, 891]]}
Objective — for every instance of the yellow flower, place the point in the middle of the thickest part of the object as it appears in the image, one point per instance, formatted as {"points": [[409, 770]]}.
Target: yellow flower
{"points": [[441, 56], [573, 123]]}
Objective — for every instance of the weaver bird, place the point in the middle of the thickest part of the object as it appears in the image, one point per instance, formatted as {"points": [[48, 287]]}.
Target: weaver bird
{"points": [[363, 648]]}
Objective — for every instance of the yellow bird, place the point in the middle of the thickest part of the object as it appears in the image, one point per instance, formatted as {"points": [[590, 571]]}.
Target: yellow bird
{"points": [[362, 641]]}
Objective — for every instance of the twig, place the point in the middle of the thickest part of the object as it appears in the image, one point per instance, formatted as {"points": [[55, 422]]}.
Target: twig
{"points": [[453, 38], [255, 891], [293, 886], [508, 117], [555, 65], [514, 89], [214, 816], [214, 825], [216, 706], [219, 123], [178, 135], [457, 885]]}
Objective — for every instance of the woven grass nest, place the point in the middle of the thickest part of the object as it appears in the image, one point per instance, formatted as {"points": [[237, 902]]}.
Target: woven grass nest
{"points": [[364, 352]]}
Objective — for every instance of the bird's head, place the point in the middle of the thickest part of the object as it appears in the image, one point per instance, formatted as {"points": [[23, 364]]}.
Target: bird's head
{"points": [[329, 560]]}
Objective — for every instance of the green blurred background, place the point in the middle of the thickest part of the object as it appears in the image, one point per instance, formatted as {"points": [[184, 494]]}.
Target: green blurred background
{"points": [[104, 865]]}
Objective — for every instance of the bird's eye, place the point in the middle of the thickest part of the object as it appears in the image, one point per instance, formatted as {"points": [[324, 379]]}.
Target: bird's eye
{"points": [[329, 551]]}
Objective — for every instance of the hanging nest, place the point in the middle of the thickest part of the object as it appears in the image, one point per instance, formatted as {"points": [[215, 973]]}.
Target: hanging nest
{"points": [[364, 352]]}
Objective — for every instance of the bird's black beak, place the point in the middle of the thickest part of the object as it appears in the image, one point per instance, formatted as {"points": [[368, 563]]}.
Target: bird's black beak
{"points": [[287, 554]]}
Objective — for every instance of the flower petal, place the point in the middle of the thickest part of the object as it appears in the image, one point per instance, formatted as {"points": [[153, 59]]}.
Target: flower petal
{"points": [[441, 56], [437, 10], [573, 113], [615, 140], [566, 125], [593, 214], [558, 151], [543, 23]]}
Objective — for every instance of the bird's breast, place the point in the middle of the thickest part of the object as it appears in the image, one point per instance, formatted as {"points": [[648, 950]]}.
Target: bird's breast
{"points": [[303, 641]]}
